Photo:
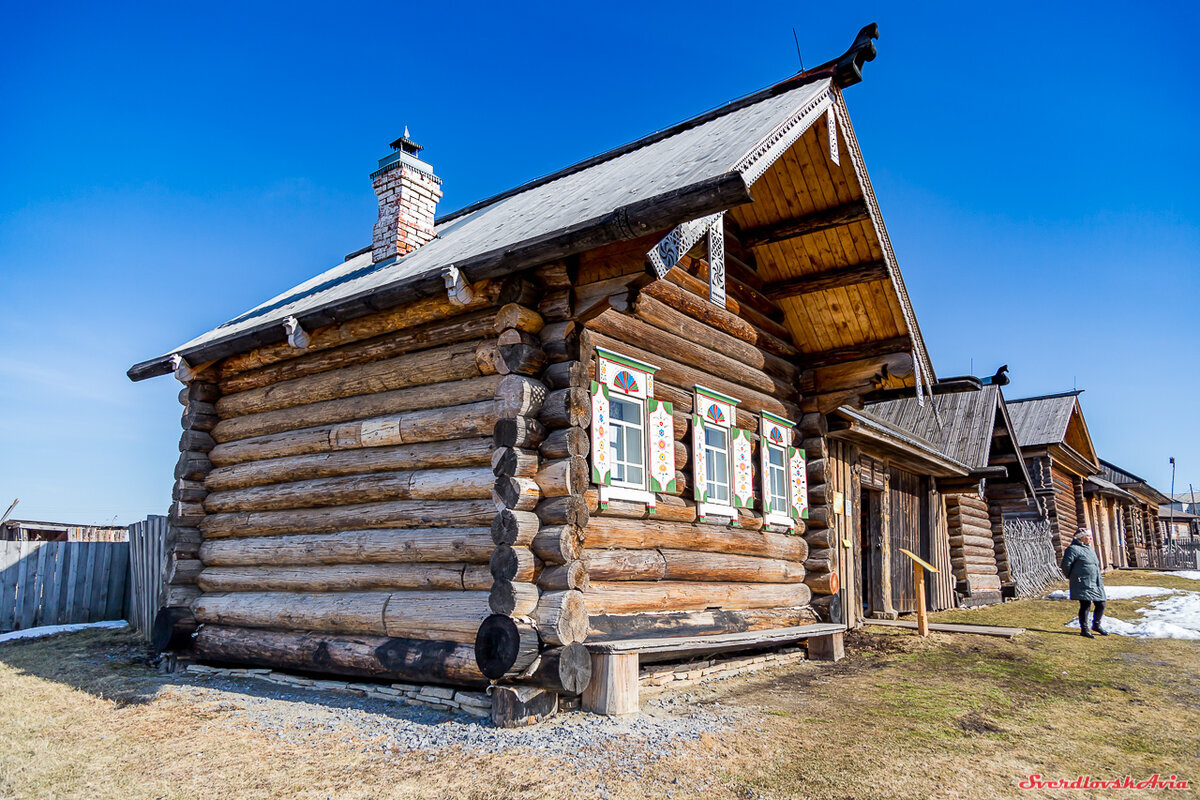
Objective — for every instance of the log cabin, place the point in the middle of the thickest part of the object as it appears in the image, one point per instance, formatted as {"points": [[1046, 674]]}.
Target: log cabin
{"points": [[573, 426], [1137, 512], [972, 428], [1059, 455]]}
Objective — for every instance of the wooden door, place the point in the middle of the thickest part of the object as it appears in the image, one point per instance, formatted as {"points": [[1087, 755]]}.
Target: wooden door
{"points": [[871, 551], [904, 530]]}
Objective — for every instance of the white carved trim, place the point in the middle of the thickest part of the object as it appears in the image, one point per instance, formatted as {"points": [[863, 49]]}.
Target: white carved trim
{"points": [[183, 370], [457, 288], [831, 131], [675, 244], [296, 335], [716, 262], [717, 510], [625, 493], [768, 150], [779, 519]]}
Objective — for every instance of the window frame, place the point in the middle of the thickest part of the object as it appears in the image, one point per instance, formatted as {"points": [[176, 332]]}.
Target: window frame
{"points": [[770, 425], [623, 378], [624, 425], [713, 409]]}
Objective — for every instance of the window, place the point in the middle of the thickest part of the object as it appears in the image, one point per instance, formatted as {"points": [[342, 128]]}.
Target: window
{"points": [[633, 442], [784, 474], [777, 490], [716, 459], [628, 442], [721, 457]]}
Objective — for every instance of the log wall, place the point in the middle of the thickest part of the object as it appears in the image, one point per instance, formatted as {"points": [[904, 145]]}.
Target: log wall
{"points": [[973, 554], [669, 573], [348, 489]]}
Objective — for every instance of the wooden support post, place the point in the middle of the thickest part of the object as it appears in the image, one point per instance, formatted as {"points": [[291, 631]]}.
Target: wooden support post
{"points": [[830, 647], [922, 604], [614, 686]]}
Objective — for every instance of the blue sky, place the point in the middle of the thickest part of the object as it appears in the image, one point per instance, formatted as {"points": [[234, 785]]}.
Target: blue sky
{"points": [[164, 167]]}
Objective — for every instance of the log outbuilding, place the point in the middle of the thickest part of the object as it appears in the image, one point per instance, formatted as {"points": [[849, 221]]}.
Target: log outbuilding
{"points": [[587, 413]]}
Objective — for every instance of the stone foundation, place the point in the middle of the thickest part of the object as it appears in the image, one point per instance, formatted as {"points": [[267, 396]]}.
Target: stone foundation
{"points": [[677, 675]]}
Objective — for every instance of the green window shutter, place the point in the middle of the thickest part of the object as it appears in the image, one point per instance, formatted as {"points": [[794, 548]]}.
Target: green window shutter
{"points": [[660, 431], [601, 457]]}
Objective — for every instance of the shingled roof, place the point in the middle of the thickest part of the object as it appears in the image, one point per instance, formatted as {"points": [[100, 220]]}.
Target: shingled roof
{"points": [[962, 427], [698, 167], [1043, 420]]}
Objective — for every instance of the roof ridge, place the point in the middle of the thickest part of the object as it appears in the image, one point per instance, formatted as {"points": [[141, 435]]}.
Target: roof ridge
{"points": [[1071, 393]]}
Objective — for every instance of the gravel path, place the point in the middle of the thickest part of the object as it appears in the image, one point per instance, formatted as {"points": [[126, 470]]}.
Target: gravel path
{"points": [[620, 746]]}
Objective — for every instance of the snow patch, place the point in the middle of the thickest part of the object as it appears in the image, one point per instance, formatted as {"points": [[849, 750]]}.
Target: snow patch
{"points": [[50, 630], [1174, 617], [1190, 574], [1118, 592]]}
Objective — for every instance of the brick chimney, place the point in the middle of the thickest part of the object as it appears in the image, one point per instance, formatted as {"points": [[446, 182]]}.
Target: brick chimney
{"points": [[408, 193]]}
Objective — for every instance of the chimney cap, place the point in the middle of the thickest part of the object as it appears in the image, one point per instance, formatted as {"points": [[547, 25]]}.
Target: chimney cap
{"points": [[406, 144]]}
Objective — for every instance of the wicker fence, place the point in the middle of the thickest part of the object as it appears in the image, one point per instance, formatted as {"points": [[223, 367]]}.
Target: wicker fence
{"points": [[1031, 558]]}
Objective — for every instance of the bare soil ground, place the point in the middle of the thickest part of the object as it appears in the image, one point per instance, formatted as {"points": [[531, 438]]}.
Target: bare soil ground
{"points": [[948, 716]]}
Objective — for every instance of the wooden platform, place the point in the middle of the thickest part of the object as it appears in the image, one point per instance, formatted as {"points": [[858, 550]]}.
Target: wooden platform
{"points": [[614, 686], [951, 627]]}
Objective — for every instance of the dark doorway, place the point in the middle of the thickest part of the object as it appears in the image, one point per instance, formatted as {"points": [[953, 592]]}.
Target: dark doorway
{"points": [[871, 549]]}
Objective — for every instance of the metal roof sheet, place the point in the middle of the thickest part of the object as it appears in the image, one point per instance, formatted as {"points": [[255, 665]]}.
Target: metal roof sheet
{"points": [[691, 156]]}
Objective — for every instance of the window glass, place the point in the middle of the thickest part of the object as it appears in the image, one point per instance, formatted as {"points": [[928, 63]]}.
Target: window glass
{"points": [[716, 446], [777, 475], [626, 437]]}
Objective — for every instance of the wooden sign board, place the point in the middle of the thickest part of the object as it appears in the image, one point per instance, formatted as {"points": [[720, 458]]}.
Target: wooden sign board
{"points": [[919, 560]]}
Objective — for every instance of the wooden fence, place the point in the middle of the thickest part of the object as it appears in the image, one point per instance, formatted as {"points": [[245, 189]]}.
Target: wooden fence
{"points": [[147, 540], [56, 583]]}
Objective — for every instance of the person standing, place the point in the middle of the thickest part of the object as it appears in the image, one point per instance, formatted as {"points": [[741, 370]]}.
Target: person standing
{"points": [[1082, 568]]}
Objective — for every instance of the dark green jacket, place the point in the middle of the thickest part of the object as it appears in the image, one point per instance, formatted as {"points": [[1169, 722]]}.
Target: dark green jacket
{"points": [[1082, 568]]}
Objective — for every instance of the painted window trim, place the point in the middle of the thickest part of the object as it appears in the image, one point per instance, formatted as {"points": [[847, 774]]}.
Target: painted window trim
{"points": [[644, 397], [705, 508], [770, 516]]}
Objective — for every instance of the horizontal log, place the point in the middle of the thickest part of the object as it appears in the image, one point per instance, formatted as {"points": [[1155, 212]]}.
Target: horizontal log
{"points": [[515, 462], [402, 317], [521, 494], [514, 527], [625, 565], [973, 541], [505, 647], [630, 597], [806, 225], [453, 330], [826, 279], [821, 538], [823, 582], [653, 625], [436, 365], [332, 578], [557, 577], [340, 612], [558, 544], [563, 477], [189, 491], [472, 420], [518, 317], [423, 484], [432, 545], [754, 316], [566, 443], [519, 359], [512, 598], [519, 396], [367, 406], [192, 466], [421, 456], [198, 441], [665, 318], [612, 533], [698, 308], [974, 552], [565, 670], [565, 408], [569, 510], [561, 617], [510, 563], [756, 389], [395, 514], [691, 565], [376, 657], [566, 374], [522, 432]]}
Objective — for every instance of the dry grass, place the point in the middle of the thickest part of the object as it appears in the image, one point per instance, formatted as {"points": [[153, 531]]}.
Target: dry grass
{"points": [[949, 716]]}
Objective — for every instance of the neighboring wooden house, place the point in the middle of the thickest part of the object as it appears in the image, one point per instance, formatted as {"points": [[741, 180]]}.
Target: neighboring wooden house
{"points": [[28, 530], [1059, 455], [1177, 526], [971, 428], [591, 407], [1138, 513]]}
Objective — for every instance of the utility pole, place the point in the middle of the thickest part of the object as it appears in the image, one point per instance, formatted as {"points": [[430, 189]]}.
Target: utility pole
{"points": [[1171, 514]]}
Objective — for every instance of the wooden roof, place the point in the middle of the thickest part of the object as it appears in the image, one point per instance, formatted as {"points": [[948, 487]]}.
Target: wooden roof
{"points": [[1130, 482], [1056, 421], [971, 427], [812, 222]]}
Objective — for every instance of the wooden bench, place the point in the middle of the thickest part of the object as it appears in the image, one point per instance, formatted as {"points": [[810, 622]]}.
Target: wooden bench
{"points": [[614, 685]]}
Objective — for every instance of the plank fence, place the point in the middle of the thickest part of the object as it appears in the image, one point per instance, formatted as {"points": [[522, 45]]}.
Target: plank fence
{"points": [[58, 583], [147, 541]]}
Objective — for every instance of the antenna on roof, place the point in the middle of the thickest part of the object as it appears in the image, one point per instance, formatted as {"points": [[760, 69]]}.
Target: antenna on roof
{"points": [[797, 40]]}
